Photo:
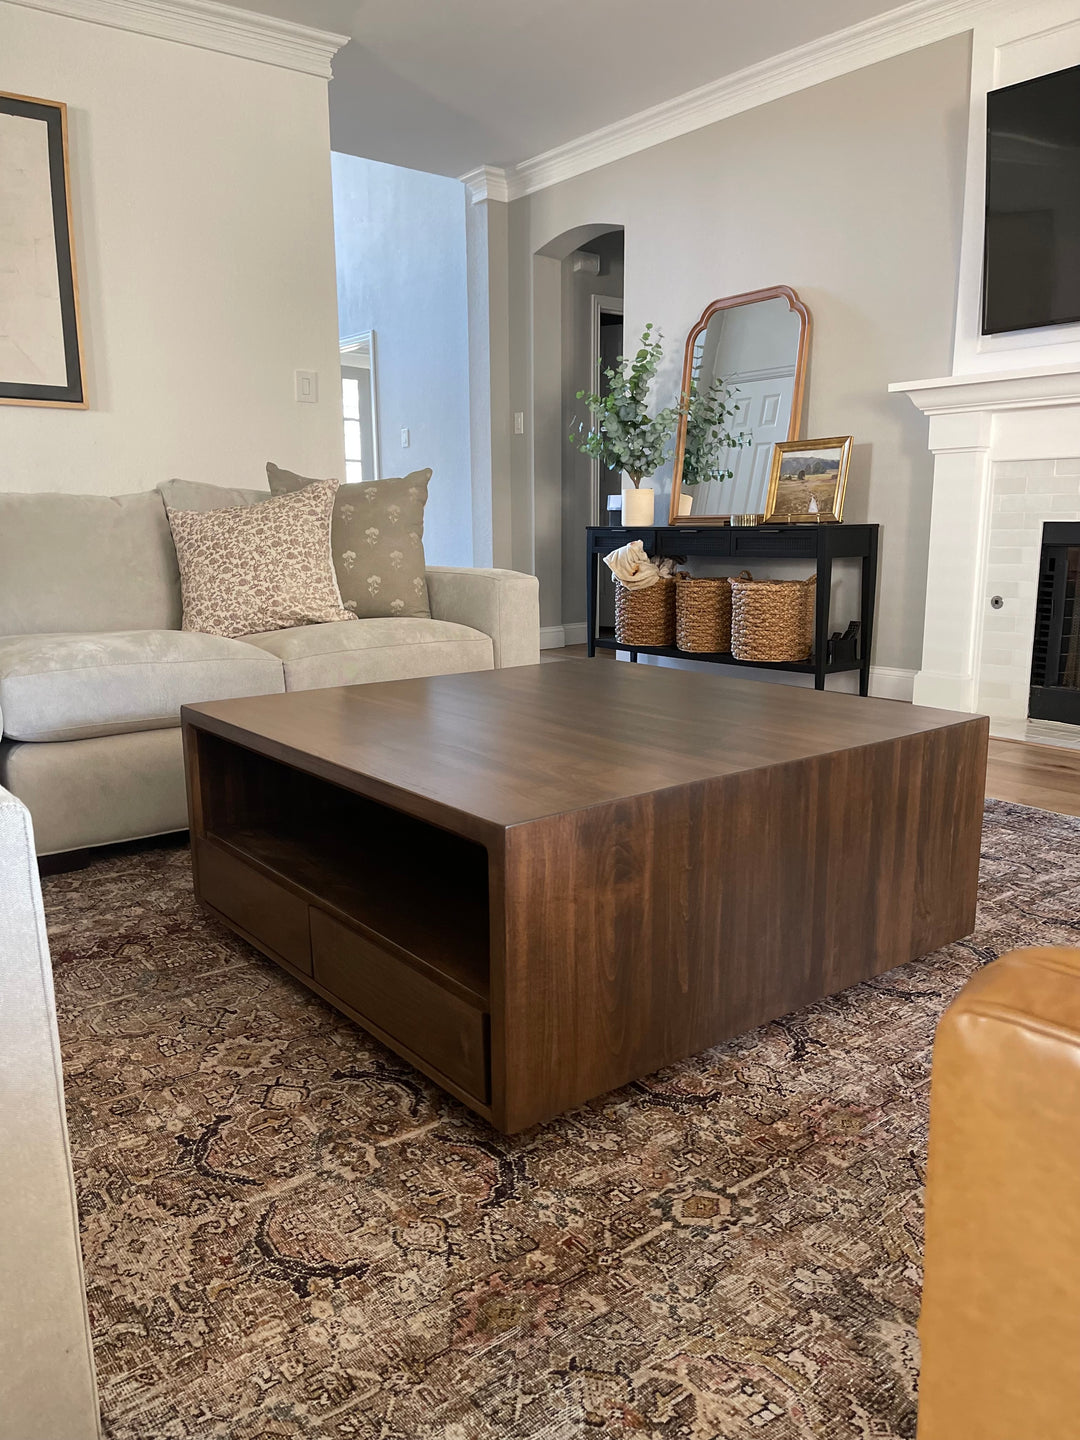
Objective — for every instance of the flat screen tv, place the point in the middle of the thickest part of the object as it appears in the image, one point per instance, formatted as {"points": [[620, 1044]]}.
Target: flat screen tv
{"points": [[1031, 263]]}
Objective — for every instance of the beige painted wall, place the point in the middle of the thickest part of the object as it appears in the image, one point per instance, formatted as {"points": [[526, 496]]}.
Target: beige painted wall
{"points": [[204, 235], [851, 193]]}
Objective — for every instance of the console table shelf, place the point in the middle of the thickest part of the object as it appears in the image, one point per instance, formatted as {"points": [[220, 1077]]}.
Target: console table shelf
{"points": [[605, 640], [823, 544]]}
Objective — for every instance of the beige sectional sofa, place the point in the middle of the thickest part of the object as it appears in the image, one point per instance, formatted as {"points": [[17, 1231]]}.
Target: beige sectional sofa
{"points": [[47, 1389], [94, 665]]}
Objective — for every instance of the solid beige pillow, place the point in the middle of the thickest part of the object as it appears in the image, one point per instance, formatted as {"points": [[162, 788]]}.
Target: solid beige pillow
{"points": [[198, 495], [377, 540], [255, 568]]}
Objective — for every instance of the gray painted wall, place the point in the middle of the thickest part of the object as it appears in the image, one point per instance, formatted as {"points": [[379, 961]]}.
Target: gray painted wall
{"points": [[401, 271], [851, 193]]}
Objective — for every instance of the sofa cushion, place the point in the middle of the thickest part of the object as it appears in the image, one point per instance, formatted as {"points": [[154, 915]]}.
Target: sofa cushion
{"points": [[378, 542], [198, 495], [317, 656], [68, 687], [259, 567], [77, 563]]}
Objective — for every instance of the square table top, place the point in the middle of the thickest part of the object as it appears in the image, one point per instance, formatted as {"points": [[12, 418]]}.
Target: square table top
{"points": [[506, 747]]}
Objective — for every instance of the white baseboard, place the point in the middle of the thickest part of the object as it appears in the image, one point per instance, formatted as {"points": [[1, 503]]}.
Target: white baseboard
{"points": [[888, 683], [552, 637]]}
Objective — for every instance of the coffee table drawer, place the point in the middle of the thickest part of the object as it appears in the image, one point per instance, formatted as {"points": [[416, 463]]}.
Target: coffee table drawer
{"points": [[433, 1023], [272, 915]]}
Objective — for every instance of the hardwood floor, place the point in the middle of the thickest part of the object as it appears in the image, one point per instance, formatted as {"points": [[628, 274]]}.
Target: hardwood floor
{"points": [[1044, 776]]}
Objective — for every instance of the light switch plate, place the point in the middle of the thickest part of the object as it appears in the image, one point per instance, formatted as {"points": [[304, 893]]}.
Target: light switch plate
{"points": [[404, 438], [307, 387], [519, 422]]}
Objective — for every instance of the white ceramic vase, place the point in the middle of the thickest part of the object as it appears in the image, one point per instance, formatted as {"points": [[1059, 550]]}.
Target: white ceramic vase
{"points": [[638, 505]]}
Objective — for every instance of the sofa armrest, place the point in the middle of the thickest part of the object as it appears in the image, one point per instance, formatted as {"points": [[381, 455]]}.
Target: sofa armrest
{"points": [[504, 604], [47, 1386]]}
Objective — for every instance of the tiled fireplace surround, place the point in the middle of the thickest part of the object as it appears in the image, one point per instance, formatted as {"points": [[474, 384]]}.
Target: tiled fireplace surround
{"points": [[1024, 494]]}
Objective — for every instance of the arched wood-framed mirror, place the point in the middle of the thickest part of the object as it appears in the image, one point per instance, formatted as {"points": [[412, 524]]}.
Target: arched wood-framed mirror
{"points": [[758, 343]]}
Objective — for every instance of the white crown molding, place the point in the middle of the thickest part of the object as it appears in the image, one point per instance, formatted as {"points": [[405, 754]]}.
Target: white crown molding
{"points": [[208, 25], [486, 182], [917, 23]]}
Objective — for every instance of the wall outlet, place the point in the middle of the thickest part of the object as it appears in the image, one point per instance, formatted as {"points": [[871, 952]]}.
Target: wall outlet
{"points": [[404, 437], [519, 422], [307, 387]]}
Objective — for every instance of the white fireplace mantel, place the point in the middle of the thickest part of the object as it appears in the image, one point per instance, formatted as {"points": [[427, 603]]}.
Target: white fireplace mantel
{"points": [[1008, 390], [1006, 458]]}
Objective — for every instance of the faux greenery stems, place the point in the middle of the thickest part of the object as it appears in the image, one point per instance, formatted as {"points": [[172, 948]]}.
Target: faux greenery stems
{"points": [[622, 434]]}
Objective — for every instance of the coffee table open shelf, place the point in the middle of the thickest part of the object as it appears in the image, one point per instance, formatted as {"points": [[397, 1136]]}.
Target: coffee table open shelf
{"points": [[306, 870]]}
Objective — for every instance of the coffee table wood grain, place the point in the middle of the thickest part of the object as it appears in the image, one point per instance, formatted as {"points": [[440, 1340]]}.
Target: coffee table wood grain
{"points": [[538, 884]]}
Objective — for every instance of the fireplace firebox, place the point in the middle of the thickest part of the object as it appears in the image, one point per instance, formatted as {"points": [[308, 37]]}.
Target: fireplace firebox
{"points": [[1055, 654]]}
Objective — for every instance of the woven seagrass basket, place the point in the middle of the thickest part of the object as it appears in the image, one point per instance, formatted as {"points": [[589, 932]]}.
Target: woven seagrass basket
{"points": [[703, 613], [645, 617], [772, 619]]}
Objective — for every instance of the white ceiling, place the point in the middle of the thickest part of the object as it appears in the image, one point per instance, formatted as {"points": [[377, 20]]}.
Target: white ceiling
{"points": [[446, 85]]}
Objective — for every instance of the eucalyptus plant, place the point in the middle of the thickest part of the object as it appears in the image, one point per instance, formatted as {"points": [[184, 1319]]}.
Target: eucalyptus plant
{"points": [[709, 438], [622, 434]]}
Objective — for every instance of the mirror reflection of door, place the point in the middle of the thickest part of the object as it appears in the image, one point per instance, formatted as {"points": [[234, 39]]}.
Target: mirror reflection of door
{"points": [[763, 412], [359, 409]]}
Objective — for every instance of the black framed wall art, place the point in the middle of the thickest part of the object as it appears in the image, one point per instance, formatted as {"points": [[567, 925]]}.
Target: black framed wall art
{"points": [[40, 342]]}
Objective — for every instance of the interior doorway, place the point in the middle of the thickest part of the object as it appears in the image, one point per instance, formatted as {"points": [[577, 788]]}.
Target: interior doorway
{"points": [[606, 345], [360, 407], [592, 343], [577, 297]]}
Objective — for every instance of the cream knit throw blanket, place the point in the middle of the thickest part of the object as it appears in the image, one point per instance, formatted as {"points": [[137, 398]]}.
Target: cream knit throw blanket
{"points": [[630, 565]]}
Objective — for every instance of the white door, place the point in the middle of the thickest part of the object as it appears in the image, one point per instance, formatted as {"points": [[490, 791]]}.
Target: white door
{"points": [[764, 412]]}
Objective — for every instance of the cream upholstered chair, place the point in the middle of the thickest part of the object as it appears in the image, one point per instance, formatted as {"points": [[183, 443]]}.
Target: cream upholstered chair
{"points": [[47, 1389]]}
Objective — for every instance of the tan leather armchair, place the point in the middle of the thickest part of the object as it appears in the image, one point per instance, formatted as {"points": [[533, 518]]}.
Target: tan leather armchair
{"points": [[1000, 1323]]}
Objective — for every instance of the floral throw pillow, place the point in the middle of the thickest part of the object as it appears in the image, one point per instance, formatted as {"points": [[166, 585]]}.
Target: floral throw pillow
{"points": [[378, 541], [252, 568]]}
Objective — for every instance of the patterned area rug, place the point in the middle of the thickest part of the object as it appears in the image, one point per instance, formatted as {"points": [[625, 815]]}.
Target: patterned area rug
{"points": [[289, 1232]]}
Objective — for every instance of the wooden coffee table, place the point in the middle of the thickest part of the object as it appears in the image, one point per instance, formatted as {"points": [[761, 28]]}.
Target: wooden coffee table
{"points": [[538, 884]]}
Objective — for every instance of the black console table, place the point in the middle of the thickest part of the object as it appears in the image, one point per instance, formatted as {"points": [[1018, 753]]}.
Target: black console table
{"points": [[820, 543]]}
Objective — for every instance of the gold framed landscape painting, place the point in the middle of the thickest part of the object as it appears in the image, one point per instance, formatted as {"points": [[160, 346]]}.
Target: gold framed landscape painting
{"points": [[808, 479], [40, 343]]}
